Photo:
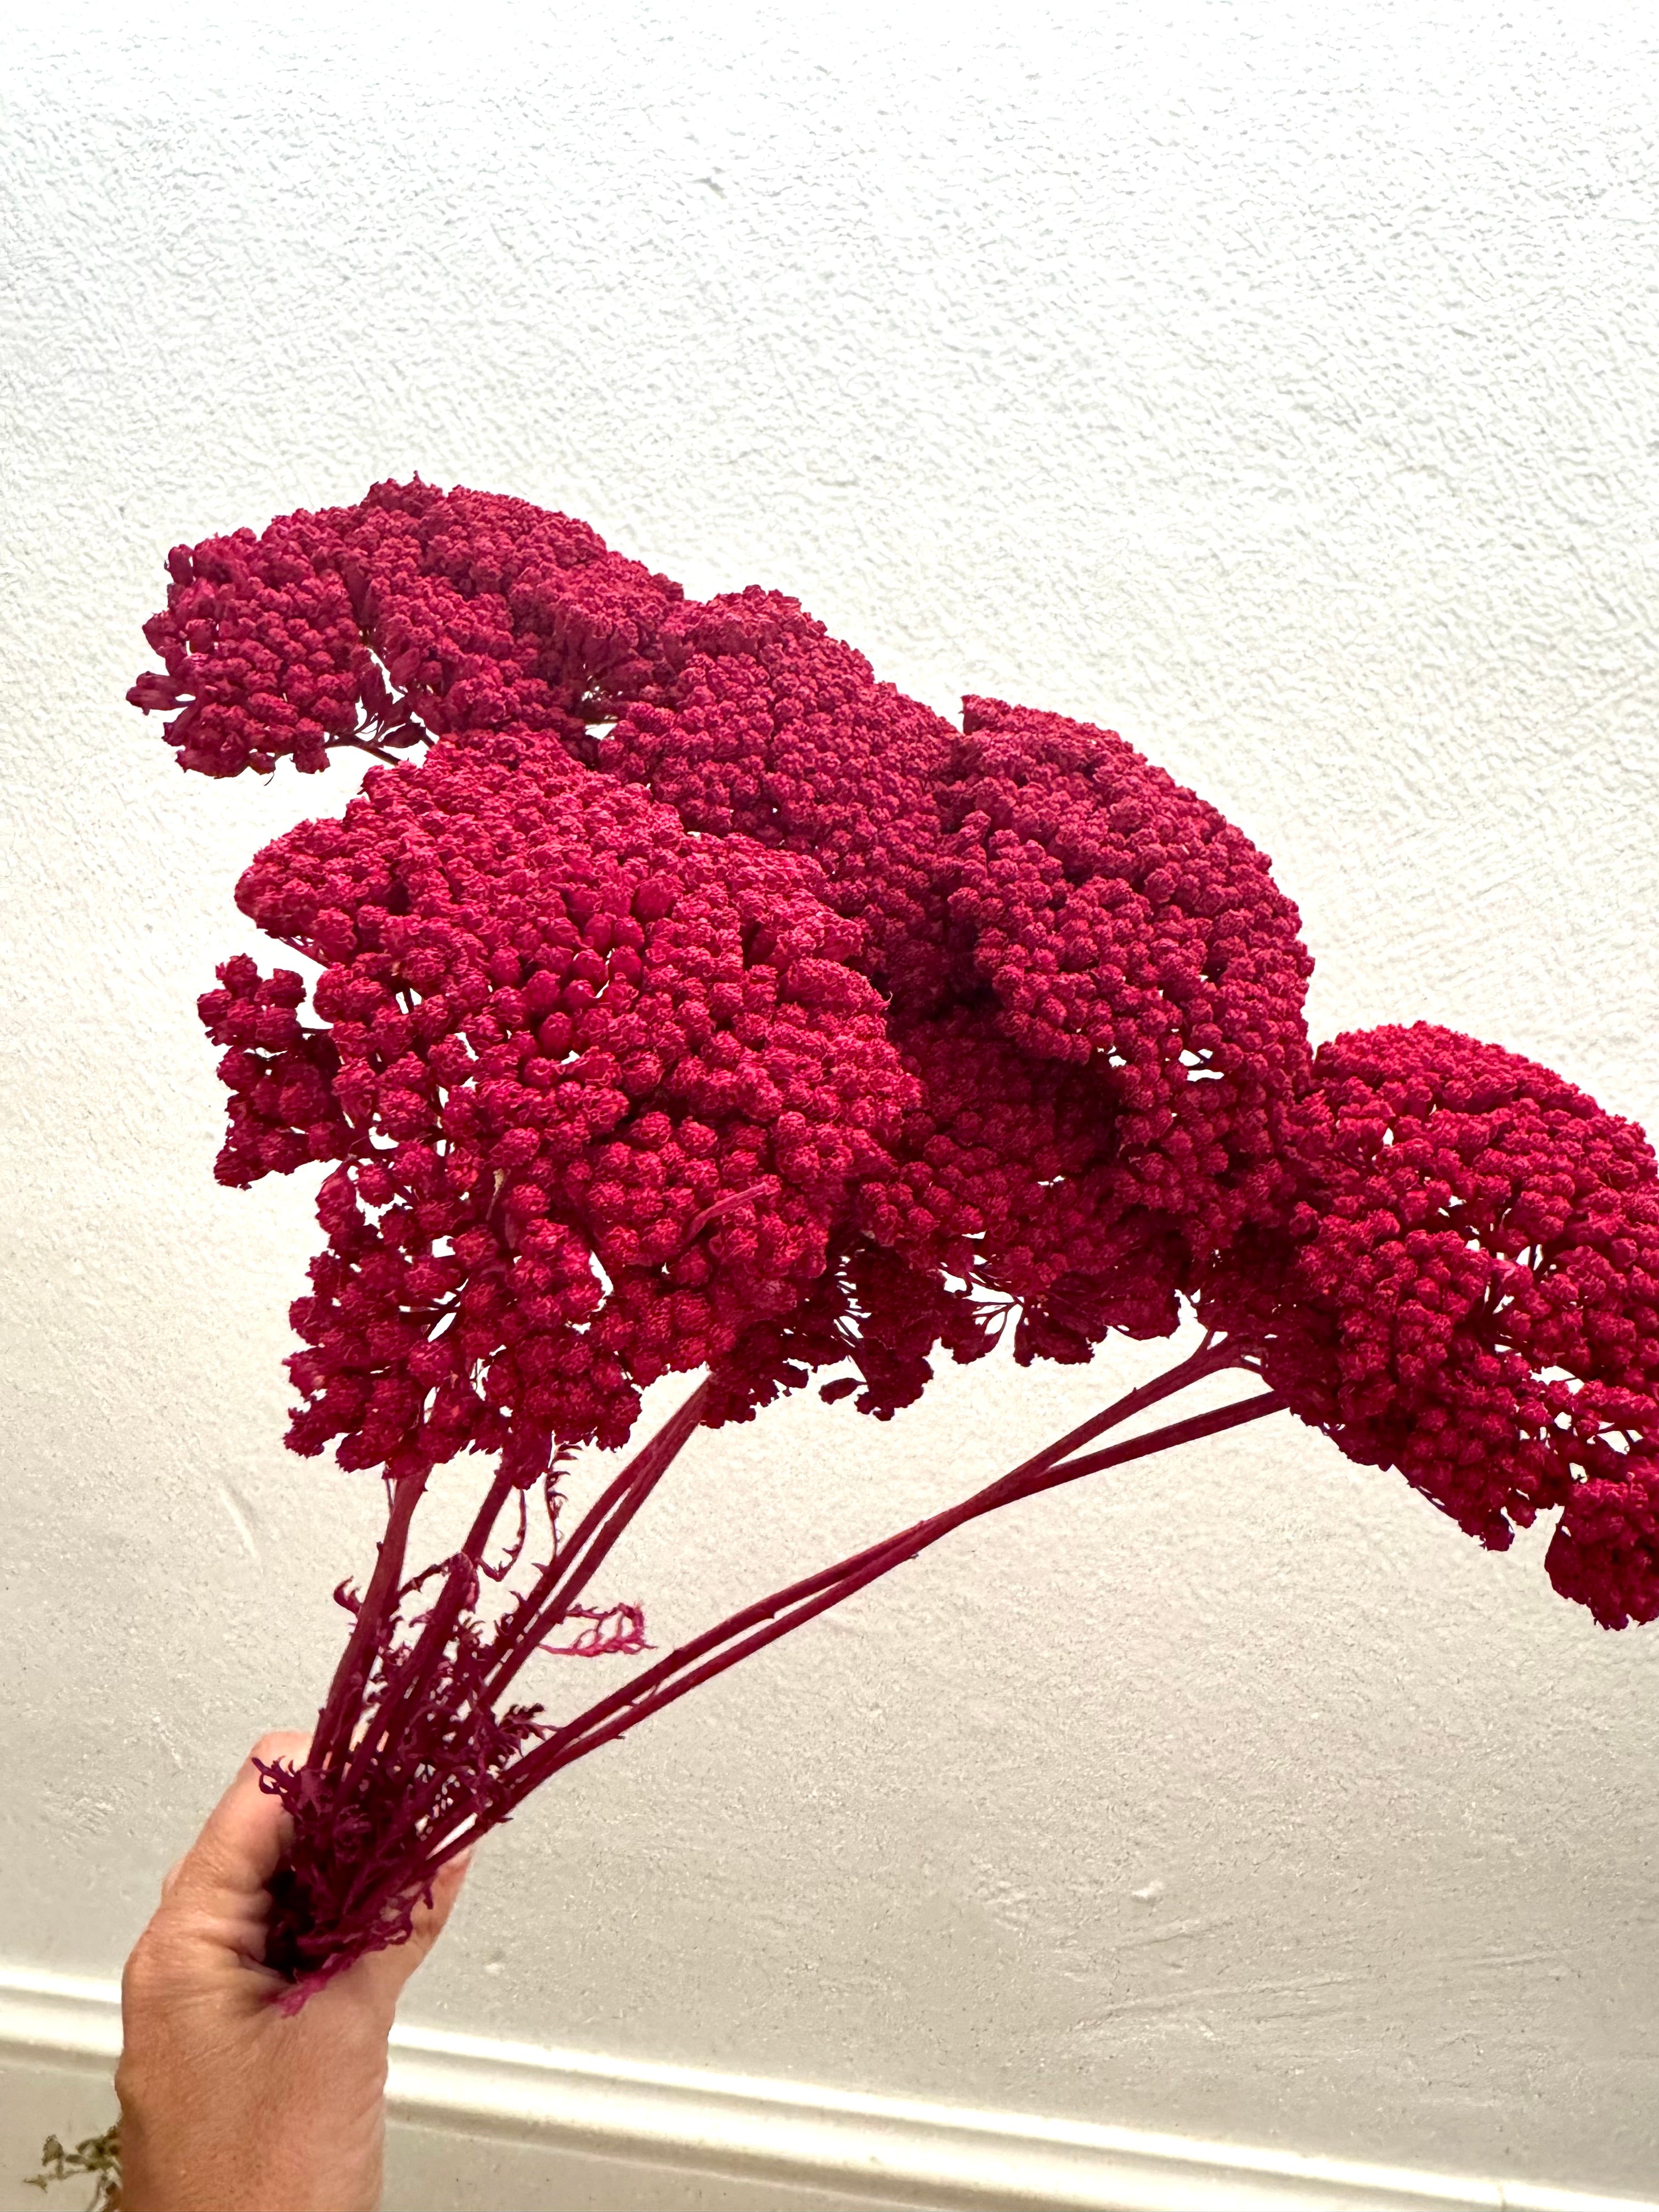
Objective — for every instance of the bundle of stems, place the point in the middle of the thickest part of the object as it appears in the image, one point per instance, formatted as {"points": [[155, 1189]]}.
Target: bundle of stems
{"points": [[381, 1802]]}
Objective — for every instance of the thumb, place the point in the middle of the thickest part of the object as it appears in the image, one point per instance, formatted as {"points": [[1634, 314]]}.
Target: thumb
{"points": [[383, 1974]]}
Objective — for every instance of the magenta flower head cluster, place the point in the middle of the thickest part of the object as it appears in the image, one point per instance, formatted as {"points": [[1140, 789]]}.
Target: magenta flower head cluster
{"points": [[687, 1001], [601, 1098], [1467, 1289], [868, 1033]]}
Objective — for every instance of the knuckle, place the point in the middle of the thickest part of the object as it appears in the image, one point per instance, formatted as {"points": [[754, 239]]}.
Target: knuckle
{"points": [[136, 1974], [290, 1744], [145, 1978], [130, 2084]]}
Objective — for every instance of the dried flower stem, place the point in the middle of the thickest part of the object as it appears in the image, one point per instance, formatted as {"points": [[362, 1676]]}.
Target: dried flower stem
{"points": [[729, 1642], [344, 1699], [549, 1601], [568, 1574], [392, 1875]]}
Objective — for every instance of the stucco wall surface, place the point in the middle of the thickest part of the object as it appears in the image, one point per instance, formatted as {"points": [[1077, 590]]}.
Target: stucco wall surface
{"points": [[1274, 384]]}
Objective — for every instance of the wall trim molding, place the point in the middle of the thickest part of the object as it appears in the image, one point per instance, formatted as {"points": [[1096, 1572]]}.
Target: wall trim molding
{"points": [[890, 2148]]}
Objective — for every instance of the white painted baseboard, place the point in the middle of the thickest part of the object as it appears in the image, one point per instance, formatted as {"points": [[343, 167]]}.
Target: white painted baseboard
{"points": [[679, 2135]]}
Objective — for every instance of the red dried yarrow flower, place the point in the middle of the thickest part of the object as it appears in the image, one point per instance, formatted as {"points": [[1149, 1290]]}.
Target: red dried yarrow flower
{"points": [[699, 1003], [1019, 1160], [1028, 878], [1467, 1290], [603, 1096], [476, 611], [1122, 927], [756, 719], [1029, 883], [1604, 1551]]}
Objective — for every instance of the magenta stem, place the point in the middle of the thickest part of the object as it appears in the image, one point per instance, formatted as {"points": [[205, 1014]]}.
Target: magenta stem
{"points": [[750, 1630], [568, 1574], [363, 745], [650, 1691], [344, 1700], [460, 1585]]}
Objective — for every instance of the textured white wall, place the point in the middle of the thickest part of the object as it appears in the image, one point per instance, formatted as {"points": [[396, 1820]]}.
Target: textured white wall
{"points": [[1275, 384]]}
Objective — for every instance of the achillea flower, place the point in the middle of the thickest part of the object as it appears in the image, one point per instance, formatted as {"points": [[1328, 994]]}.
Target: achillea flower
{"points": [[1094, 984], [699, 1003], [490, 613], [1012, 1162], [416, 612], [1035, 892], [1604, 1551], [870, 1308], [1123, 925], [283, 1109], [756, 719], [603, 1097], [1467, 1290]]}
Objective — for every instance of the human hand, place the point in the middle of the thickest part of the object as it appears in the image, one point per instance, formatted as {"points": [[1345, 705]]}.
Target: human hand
{"points": [[226, 2105]]}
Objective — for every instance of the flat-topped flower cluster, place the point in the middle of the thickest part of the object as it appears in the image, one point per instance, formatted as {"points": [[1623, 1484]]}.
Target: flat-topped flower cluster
{"points": [[689, 1001], [693, 1001]]}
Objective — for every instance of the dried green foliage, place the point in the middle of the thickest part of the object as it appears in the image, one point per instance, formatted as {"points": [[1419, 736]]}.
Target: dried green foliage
{"points": [[97, 2155]]}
